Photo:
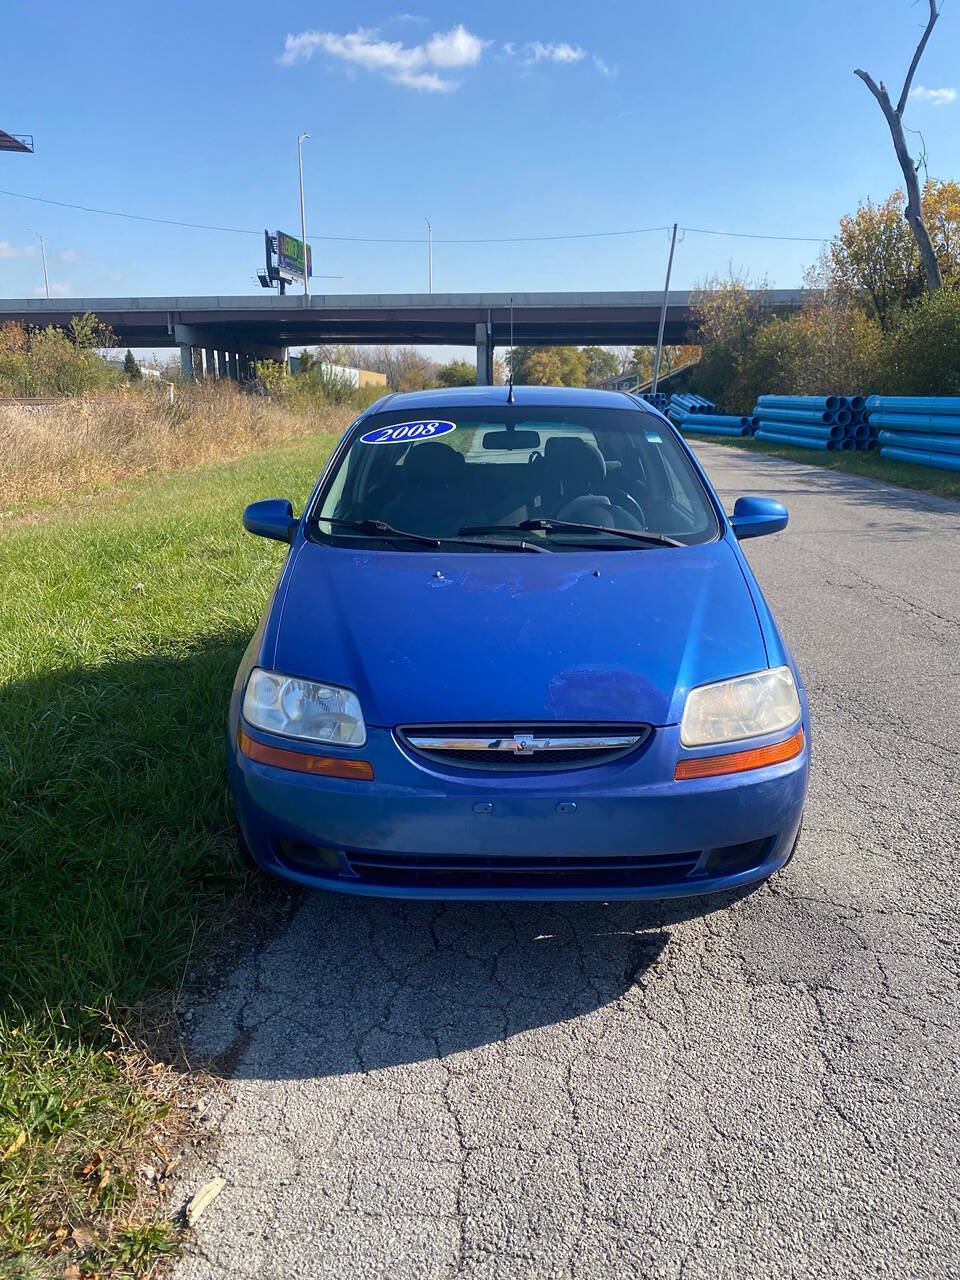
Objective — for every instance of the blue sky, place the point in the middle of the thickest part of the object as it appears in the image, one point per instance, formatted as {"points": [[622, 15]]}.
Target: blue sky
{"points": [[497, 120]]}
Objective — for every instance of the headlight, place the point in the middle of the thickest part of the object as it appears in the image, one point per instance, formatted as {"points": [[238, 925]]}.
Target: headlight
{"points": [[746, 707], [303, 709]]}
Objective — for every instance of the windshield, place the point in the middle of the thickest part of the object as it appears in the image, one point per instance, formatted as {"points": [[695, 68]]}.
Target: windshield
{"points": [[486, 477]]}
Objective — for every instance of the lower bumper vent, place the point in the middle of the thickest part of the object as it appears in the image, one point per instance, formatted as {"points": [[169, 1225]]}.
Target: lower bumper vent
{"points": [[439, 871]]}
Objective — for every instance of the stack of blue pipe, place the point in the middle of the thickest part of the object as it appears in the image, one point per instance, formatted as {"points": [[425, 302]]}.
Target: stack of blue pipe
{"points": [[686, 402], [693, 413], [920, 429], [815, 422], [714, 424], [657, 398]]}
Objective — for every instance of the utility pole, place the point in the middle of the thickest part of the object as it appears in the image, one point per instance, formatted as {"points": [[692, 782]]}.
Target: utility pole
{"points": [[663, 313], [43, 259], [303, 216], [429, 253]]}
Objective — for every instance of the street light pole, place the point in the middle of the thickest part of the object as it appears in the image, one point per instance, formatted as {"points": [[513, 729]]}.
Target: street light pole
{"points": [[303, 216], [663, 313], [43, 259], [429, 252]]}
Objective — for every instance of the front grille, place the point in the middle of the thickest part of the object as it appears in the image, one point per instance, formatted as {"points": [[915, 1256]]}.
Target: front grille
{"points": [[474, 872], [523, 748]]}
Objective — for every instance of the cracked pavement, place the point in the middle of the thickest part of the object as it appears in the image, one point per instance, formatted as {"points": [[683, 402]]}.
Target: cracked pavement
{"points": [[758, 1085]]}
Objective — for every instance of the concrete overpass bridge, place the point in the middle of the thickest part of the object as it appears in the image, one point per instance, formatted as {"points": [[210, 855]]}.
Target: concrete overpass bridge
{"points": [[232, 331]]}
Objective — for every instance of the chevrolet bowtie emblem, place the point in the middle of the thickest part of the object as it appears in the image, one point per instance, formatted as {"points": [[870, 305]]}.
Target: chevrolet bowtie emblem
{"points": [[521, 744]]}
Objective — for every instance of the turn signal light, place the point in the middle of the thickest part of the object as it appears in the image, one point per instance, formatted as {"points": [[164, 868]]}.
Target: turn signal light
{"points": [[740, 761], [301, 762]]}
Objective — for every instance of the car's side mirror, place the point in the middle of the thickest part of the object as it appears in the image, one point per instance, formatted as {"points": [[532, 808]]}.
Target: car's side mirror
{"points": [[754, 517], [271, 518]]}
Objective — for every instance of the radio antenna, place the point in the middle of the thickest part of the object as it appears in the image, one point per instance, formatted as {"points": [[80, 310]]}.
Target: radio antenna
{"points": [[510, 388]]}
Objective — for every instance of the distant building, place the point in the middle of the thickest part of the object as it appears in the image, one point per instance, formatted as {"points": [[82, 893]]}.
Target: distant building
{"points": [[344, 373], [147, 371]]}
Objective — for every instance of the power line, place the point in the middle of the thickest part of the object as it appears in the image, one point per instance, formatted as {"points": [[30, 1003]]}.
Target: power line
{"points": [[245, 231], [573, 235], [135, 217], [750, 235]]}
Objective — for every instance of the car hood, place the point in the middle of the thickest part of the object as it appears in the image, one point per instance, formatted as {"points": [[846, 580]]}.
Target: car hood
{"points": [[425, 637]]}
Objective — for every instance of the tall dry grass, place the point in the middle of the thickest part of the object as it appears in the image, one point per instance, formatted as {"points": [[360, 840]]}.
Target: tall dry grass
{"points": [[93, 442]]}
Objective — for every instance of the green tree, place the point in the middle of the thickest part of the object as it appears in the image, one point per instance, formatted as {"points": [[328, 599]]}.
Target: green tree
{"points": [[731, 313], [412, 371], [52, 361], [941, 213], [548, 366], [130, 367], [829, 345], [456, 373], [923, 356], [641, 363], [601, 364], [86, 332], [674, 357], [874, 260], [274, 375]]}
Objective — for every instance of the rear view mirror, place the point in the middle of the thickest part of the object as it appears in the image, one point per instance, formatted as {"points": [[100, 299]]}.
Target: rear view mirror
{"points": [[511, 440], [754, 517], [271, 518]]}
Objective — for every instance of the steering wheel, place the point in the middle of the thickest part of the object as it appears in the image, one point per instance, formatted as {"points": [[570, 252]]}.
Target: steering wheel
{"points": [[621, 498]]}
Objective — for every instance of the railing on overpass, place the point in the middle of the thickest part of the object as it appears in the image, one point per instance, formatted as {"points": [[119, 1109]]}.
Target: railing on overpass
{"points": [[637, 383]]}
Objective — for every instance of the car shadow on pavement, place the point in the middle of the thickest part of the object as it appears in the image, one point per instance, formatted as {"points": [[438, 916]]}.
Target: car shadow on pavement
{"points": [[359, 985]]}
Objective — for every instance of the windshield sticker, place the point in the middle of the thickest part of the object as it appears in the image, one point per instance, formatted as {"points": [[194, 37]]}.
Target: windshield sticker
{"points": [[404, 432], [654, 437]]}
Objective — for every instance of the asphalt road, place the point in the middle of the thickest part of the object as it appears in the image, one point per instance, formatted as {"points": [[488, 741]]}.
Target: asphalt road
{"points": [[764, 1086]]}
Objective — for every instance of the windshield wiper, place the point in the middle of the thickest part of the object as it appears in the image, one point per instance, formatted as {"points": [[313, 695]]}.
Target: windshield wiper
{"points": [[571, 526], [380, 528]]}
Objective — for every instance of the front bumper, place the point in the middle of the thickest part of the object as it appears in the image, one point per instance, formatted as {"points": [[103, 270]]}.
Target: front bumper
{"points": [[624, 830]]}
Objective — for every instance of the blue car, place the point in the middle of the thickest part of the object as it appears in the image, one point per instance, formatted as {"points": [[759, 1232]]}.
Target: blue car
{"points": [[516, 652]]}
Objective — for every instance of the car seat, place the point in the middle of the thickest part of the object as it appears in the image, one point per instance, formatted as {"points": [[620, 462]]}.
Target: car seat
{"points": [[431, 496], [575, 473]]}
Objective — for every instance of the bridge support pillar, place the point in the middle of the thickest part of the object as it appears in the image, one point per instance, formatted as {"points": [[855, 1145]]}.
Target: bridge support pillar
{"points": [[222, 371], [187, 371], [484, 354], [233, 366], [209, 364]]}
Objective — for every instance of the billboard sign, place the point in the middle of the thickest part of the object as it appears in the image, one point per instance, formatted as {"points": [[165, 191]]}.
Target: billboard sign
{"points": [[290, 257]]}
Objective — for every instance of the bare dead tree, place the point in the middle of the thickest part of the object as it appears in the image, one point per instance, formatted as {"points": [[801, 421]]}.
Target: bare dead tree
{"points": [[894, 118]]}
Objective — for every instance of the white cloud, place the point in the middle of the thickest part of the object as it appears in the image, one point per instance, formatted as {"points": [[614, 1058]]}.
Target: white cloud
{"points": [[561, 52], [457, 48], [426, 81], [408, 17], [8, 251], [56, 291], [409, 65], [939, 97], [69, 255]]}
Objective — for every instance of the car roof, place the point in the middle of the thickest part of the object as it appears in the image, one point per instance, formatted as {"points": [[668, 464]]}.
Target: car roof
{"points": [[580, 397]]}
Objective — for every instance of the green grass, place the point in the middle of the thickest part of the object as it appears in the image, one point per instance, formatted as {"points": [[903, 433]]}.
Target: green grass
{"points": [[945, 484], [124, 620]]}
